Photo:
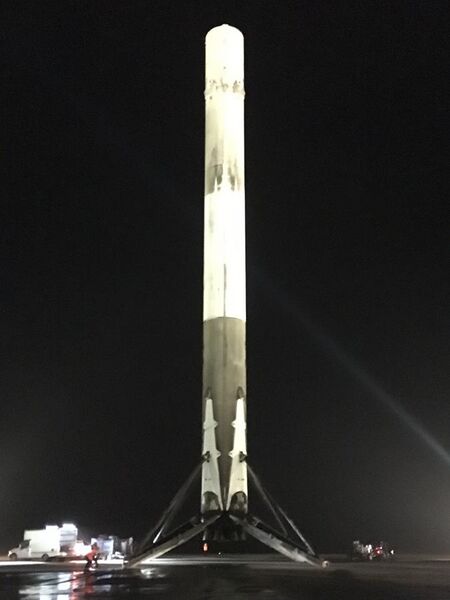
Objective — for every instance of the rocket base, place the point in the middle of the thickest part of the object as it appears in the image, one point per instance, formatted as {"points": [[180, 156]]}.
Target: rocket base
{"points": [[285, 538]]}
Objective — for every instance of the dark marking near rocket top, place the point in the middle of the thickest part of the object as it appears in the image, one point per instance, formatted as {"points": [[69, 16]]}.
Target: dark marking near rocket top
{"points": [[212, 85], [214, 176], [217, 165]]}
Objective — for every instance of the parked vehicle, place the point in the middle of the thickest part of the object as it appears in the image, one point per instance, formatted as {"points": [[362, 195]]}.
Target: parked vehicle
{"points": [[360, 551], [38, 543], [376, 551], [382, 551], [111, 546], [46, 544]]}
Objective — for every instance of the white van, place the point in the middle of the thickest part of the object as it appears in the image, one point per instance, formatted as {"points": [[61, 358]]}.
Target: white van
{"points": [[38, 544]]}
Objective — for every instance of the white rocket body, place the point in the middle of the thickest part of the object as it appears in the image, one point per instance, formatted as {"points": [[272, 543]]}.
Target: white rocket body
{"points": [[224, 472], [224, 512]]}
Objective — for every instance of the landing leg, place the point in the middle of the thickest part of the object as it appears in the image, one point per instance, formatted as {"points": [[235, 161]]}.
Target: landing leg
{"points": [[259, 531], [179, 537]]}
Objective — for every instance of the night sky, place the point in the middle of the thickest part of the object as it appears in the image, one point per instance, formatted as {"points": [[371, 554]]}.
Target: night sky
{"points": [[348, 288]]}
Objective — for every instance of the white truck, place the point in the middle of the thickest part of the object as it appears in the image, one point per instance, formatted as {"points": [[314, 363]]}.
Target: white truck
{"points": [[53, 541]]}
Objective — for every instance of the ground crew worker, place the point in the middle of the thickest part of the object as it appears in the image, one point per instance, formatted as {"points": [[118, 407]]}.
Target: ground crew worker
{"points": [[92, 556]]}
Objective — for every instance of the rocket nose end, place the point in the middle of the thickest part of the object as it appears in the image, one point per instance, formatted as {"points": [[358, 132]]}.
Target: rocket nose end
{"points": [[224, 32], [224, 46]]}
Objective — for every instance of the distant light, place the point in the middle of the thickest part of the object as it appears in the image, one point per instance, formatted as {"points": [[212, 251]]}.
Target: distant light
{"points": [[80, 549]]}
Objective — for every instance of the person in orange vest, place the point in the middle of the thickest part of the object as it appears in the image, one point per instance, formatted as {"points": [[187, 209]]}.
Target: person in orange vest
{"points": [[92, 556]]}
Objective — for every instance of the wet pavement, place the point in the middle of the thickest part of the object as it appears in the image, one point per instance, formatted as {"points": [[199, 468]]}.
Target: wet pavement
{"points": [[264, 578]]}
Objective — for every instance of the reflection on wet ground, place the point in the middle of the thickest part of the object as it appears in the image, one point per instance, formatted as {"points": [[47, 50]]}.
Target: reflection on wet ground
{"points": [[231, 579]]}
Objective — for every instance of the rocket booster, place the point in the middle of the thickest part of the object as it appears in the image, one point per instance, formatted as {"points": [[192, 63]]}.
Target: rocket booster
{"points": [[224, 469], [224, 511]]}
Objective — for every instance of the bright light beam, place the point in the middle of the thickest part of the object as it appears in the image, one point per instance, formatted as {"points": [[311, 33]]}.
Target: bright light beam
{"points": [[327, 343]]}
